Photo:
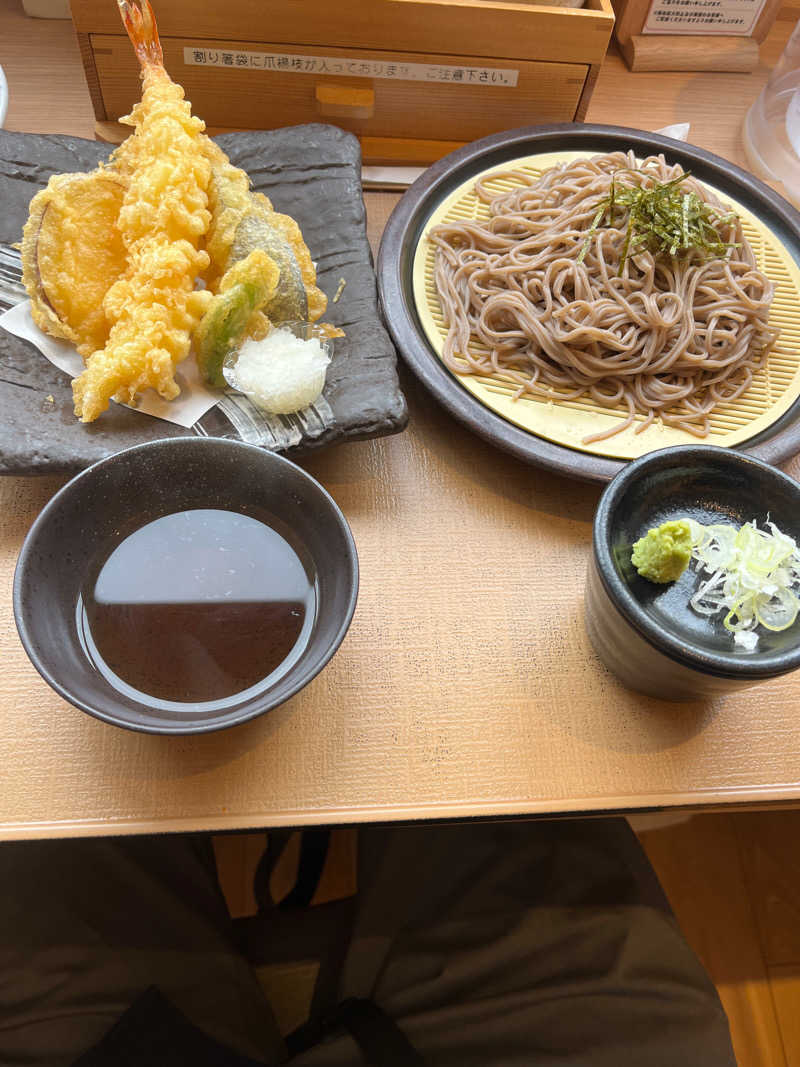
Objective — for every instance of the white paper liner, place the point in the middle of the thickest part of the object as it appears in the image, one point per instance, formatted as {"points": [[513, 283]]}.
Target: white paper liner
{"points": [[194, 401]]}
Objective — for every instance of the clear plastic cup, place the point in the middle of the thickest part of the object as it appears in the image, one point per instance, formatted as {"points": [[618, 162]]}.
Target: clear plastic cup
{"points": [[772, 126]]}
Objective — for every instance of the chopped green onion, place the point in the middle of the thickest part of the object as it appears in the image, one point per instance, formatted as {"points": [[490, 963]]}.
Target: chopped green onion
{"points": [[754, 575]]}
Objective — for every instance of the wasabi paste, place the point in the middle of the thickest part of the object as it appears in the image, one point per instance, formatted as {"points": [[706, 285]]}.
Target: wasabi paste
{"points": [[663, 554]]}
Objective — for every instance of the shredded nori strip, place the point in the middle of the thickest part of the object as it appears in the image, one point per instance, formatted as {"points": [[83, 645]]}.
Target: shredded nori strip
{"points": [[662, 219]]}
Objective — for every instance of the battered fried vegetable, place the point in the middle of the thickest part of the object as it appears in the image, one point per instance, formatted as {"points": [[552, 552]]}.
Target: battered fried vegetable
{"points": [[247, 287], [243, 221], [72, 252], [153, 307]]}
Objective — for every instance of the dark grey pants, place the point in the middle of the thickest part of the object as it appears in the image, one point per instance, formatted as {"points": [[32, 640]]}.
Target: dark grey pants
{"points": [[493, 945]]}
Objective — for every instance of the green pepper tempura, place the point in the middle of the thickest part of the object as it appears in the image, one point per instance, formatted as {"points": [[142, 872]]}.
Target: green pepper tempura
{"points": [[245, 288], [663, 554]]}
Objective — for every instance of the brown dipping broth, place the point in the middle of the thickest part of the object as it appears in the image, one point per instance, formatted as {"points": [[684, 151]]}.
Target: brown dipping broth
{"points": [[198, 606]]}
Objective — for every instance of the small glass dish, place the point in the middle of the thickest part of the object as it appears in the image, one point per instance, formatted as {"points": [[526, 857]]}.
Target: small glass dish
{"points": [[306, 331]]}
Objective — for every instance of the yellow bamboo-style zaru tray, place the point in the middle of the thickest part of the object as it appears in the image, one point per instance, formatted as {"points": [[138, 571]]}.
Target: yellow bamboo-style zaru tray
{"points": [[775, 387]]}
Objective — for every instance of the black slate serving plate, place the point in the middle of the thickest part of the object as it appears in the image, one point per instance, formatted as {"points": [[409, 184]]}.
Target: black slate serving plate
{"points": [[407, 225], [311, 172]]}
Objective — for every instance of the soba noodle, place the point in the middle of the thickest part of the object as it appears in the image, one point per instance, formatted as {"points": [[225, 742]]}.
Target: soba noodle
{"points": [[667, 336]]}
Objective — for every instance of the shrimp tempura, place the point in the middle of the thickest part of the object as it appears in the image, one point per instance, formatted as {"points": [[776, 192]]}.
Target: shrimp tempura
{"points": [[153, 307]]}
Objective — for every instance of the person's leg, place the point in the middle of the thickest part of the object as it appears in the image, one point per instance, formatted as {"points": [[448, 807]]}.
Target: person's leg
{"points": [[533, 944], [86, 926]]}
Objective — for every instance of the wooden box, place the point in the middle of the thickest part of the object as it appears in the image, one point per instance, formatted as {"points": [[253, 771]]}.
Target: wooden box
{"points": [[411, 78]]}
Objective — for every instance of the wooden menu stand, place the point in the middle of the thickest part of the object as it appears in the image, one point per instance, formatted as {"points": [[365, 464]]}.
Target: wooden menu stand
{"points": [[687, 52], [655, 52]]}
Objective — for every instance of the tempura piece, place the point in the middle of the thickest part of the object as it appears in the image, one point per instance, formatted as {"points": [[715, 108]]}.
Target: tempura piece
{"points": [[153, 307], [247, 287], [243, 221], [72, 252]]}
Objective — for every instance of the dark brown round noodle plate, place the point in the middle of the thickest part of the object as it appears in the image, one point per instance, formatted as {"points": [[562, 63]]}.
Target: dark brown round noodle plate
{"points": [[406, 226]]}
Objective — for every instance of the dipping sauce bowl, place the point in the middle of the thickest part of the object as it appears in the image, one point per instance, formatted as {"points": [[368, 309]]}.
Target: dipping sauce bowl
{"points": [[185, 585]]}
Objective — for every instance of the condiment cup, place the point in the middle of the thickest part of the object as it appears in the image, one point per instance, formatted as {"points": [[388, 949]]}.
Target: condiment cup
{"points": [[94, 513], [648, 634]]}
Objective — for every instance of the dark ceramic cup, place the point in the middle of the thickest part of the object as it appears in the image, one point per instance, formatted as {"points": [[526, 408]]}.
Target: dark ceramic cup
{"points": [[648, 634], [92, 514]]}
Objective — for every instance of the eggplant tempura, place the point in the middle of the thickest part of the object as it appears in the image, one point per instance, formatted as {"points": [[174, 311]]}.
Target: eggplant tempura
{"points": [[111, 259]]}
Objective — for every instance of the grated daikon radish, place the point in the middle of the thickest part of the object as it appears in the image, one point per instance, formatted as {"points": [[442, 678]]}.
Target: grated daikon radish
{"points": [[282, 373]]}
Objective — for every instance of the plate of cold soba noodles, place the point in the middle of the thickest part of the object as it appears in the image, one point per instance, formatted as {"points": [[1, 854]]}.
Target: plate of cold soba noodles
{"points": [[582, 295]]}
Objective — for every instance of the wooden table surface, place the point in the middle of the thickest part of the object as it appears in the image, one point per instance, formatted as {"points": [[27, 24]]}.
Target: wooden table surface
{"points": [[466, 685]]}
